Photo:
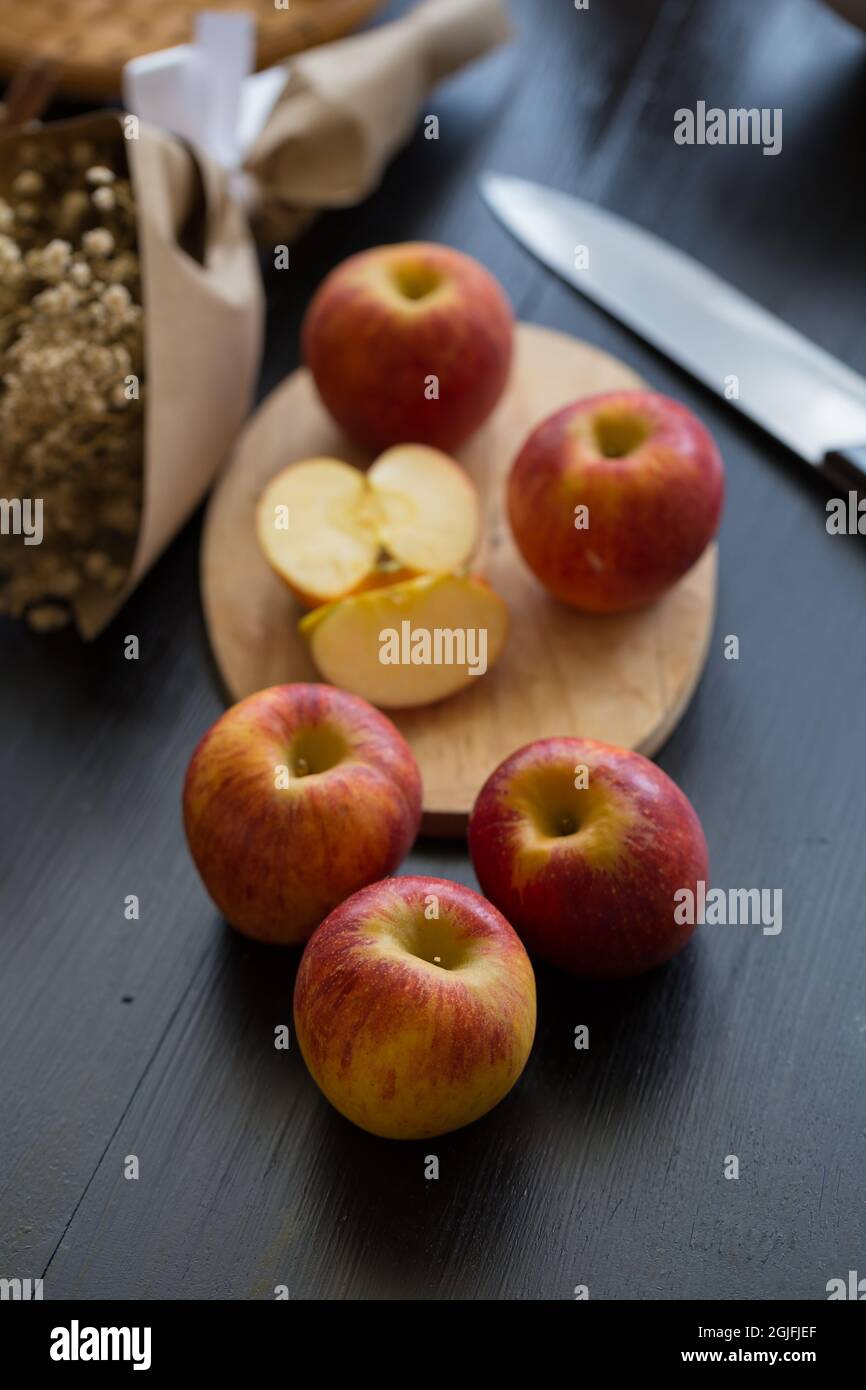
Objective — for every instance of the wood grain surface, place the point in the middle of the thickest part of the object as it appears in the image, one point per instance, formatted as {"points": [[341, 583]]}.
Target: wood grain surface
{"points": [[624, 680], [603, 1167], [86, 43]]}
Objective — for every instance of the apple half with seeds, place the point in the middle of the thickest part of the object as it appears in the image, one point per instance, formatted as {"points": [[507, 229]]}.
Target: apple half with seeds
{"points": [[329, 530]]}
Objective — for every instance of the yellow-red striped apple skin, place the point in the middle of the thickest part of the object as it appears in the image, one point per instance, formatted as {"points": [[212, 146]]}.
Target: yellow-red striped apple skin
{"points": [[404, 1047], [386, 322], [653, 504], [587, 876], [276, 859]]}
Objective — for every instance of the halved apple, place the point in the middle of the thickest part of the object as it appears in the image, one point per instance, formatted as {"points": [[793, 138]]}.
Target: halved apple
{"points": [[411, 643], [329, 530]]}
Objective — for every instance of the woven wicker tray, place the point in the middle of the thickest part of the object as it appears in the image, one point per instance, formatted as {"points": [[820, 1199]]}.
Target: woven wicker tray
{"points": [[87, 42]]}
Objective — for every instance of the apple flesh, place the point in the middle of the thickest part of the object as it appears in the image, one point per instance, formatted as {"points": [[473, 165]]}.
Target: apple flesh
{"points": [[293, 799], [614, 498], [329, 530], [587, 873], [415, 1007], [409, 342], [412, 643]]}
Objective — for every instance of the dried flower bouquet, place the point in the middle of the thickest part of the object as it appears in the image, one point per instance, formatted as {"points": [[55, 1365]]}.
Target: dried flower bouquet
{"points": [[72, 378]]}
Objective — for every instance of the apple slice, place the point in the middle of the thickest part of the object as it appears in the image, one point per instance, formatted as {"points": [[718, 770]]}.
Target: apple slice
{"points": [[410, 643], [329, 530]]}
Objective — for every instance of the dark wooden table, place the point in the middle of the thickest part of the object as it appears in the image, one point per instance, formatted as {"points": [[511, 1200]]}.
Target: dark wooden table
{"points": [[605, 1167]]}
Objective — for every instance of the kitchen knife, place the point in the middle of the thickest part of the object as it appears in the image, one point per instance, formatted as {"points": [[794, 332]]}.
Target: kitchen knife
{"points": [[805, 397]]}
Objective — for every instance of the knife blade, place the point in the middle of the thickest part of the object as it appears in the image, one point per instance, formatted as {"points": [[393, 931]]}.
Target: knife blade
{"points": [[798, 392]]}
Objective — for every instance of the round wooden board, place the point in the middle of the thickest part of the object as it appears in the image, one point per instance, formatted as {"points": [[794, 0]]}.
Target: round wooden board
{"points": [[87, 42], [626, 680]]}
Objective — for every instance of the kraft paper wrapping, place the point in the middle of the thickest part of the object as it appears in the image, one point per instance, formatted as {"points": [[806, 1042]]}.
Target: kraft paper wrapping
{"points": [[202, 336], [348, 107]]}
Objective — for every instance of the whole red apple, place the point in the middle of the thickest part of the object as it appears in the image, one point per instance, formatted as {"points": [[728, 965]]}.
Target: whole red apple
{"points": [[583, 847], [409, 343], [295, 798], [614, 498], [415, 1007]]}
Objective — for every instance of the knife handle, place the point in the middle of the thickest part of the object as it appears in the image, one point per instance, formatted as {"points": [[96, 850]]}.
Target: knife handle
{"points": [[846, 468]]}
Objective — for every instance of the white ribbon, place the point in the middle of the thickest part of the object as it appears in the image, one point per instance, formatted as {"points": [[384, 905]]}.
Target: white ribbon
{"points": [[206, 91]]}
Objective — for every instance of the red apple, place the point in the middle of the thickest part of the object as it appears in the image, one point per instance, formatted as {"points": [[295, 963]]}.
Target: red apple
{"points": [[583, 847], [415, 1007], [409, 343], [614, 498], [294, 799]]}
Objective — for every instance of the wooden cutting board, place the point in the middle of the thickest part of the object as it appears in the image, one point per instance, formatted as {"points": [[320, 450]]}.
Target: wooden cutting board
{"points": [[626, 680], [87, 42]]}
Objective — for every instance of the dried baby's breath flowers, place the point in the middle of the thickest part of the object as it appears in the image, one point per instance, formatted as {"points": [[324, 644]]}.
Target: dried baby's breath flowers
{"points": [[28, 182], [104, 199], [71, 371], [98, 173]]}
